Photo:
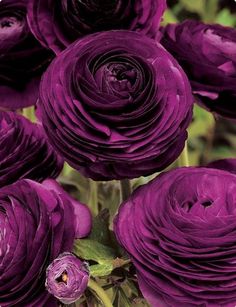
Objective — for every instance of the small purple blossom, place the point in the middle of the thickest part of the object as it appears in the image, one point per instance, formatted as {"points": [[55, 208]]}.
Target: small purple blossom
{"points": [[67, 278]]}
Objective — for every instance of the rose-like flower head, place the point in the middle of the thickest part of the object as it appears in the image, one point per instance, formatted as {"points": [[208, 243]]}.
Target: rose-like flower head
{"points": [[25, 151], [116, 105], [22, 58], [180, 231], [58, 23], [67, 278], [208, 55], [36, 224]]}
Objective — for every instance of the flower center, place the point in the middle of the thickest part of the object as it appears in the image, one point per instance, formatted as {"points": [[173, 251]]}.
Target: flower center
{"points": [[10, 27], [118, 77], [63, 278]]}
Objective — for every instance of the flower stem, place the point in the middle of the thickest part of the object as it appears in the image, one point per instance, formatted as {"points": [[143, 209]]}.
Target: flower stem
{"points": [[100, 293], [125, 189], [183, 158]]}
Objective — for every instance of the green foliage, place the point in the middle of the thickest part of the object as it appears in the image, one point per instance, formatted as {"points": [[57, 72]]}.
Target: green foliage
{"points": [[194, 6], [225, 18]]}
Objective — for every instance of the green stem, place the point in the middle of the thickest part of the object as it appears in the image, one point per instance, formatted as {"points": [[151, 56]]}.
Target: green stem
{"points": [[93, 197], [183, 158], [100, 293], [125, 188]]}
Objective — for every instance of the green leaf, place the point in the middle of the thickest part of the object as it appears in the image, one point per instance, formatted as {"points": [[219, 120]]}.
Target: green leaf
{"points": [[105, 257], [98, 270], [225, 18], [92, 250]]}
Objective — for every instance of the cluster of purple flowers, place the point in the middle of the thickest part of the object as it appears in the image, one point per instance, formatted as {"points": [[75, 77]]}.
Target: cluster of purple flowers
{"points": [[114, 93]]}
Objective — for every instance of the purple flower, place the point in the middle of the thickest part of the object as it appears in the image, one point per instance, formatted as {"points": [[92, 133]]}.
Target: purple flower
{"points": [[208, 55], [22, 58], [180, 232], [116, 105], [25, 151], [58, 23], [36, 225], [67, 278]]}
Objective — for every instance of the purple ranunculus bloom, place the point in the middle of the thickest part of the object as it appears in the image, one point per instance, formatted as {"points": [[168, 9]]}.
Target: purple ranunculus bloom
{"points": [[36, 224], [58, 23], [116, 105], [22, 58], [180, 232], [67, 278], [208, 55], [25, 151]]}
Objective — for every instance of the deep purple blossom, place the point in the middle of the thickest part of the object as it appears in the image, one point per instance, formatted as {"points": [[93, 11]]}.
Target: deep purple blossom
{"points": [[208, 55], [36, 224], [25, 151], [67, 278], [116, 105], [180, 231], [22, 58], [58, 23]]}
